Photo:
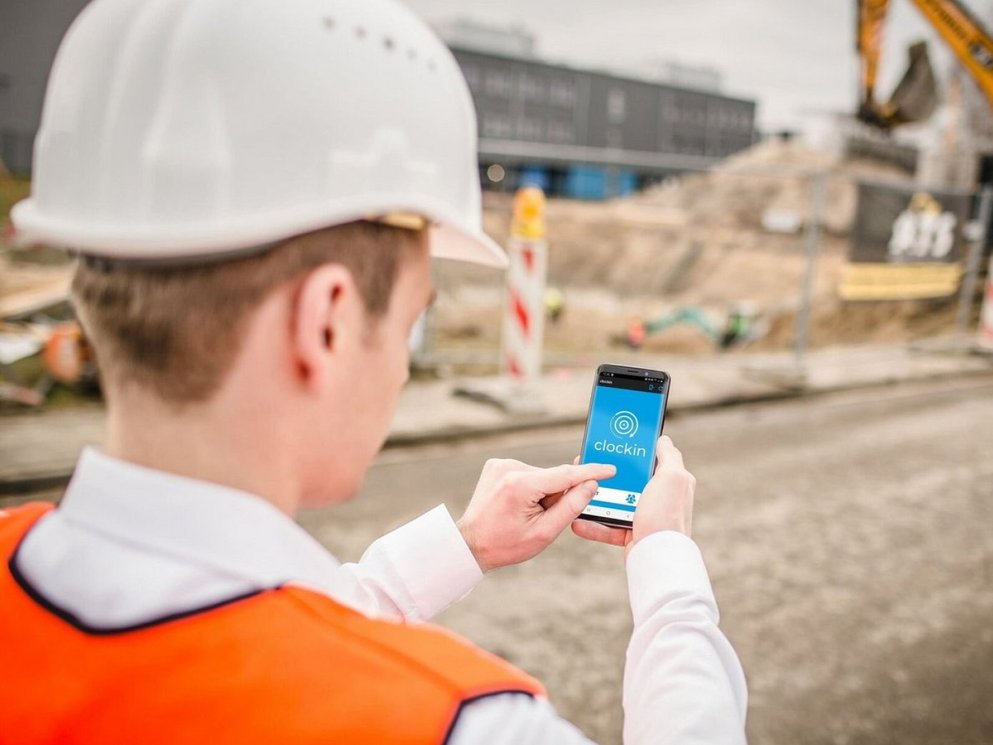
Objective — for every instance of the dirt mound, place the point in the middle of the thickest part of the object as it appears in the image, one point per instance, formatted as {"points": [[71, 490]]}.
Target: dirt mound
{"points": [[771, 177], [701, 235], [698, 241]]}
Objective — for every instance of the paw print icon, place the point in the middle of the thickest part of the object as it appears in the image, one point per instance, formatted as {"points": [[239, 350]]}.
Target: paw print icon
{"points": [[631, 498]]}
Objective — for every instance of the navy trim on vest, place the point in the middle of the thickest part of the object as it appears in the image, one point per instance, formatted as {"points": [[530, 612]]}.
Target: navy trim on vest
{"points": [[75, 621], [464, 702]]}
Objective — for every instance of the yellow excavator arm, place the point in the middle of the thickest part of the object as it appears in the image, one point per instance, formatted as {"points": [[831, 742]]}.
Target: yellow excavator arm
{"points": [[871, 18], [965, 35], [916, 95]]}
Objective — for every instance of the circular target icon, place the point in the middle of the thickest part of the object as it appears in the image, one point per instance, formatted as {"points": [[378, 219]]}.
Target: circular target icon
{"points": [[624, 424]]}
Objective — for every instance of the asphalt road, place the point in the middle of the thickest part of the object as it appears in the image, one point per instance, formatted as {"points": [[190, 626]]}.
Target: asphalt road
{"points": [[849, 538]]}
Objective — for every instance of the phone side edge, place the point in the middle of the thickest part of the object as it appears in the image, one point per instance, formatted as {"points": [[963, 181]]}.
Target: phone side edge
{"points": [[608, 521], [589, 412]]}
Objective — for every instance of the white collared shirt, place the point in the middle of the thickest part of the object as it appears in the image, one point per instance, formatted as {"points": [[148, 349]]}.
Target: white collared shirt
{"points": [[129, 544]]}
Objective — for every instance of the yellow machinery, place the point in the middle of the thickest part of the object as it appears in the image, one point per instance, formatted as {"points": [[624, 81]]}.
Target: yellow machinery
{"points": [[915, 97]]}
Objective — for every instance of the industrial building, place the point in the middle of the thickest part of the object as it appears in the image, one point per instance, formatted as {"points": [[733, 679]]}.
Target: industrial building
{"points": [[29, 37], [591, 134], [580, 133]]}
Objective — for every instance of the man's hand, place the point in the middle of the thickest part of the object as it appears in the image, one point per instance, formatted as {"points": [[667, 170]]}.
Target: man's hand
{"points": [[517, 510], [666, 503]]}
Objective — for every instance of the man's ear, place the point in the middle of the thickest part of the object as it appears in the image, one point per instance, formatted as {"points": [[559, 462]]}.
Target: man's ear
{"points": [[325, 320]]}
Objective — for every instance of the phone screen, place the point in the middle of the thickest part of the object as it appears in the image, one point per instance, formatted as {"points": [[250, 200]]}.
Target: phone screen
{"points": [[623, 427]]}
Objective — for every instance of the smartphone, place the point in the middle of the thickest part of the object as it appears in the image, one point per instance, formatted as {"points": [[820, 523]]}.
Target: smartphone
{"points": [[627, 411]]}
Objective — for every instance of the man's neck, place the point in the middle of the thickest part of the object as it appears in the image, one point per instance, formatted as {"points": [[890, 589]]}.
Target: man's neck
{"points": [[211, 442]]}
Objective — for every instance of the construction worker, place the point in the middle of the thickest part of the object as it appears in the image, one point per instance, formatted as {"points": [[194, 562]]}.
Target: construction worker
{"points": [[254, 189], [554, 302]]}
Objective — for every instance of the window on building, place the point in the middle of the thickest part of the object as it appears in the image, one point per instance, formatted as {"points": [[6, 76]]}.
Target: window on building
{"points": [[745, 120], [691, 113], [616, 105], [498, 84], [722, 119], [530, 129], [531, 87], [562, 93], [560, 132], [497, 126], [472, 76], [668, 107], [690, 143]]}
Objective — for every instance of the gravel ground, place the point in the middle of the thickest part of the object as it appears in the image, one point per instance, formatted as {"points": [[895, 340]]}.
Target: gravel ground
{"points": [[848, 537]]}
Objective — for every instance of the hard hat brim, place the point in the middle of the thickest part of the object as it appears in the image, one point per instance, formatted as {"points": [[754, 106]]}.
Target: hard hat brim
{"points": [[448, 242], [447, 239]]}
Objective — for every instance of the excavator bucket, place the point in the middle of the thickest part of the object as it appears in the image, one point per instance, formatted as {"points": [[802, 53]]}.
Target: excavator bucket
{"points": [[914, 99], [916, 95]]}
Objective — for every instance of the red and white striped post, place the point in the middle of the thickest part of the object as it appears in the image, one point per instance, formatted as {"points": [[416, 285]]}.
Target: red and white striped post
{"points": [[524, 317]]}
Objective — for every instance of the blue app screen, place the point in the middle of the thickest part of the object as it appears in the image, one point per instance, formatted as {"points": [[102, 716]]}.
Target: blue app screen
{"points": [[623, 428]]}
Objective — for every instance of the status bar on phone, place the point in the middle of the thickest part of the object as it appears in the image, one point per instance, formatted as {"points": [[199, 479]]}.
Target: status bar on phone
{"points": [[632, 384]]}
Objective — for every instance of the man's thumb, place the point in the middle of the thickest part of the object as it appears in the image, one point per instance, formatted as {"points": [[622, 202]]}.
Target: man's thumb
{"points": [[573, 502]]}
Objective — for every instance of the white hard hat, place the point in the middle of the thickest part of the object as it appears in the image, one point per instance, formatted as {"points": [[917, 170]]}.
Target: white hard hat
{"points": [[181, 128]]}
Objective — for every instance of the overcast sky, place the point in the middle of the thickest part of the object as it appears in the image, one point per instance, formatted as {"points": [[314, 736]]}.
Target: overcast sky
{"points": [[792, 56]]}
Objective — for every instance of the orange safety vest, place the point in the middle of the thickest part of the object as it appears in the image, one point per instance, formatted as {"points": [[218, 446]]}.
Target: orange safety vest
{"points": [[285, 665]]}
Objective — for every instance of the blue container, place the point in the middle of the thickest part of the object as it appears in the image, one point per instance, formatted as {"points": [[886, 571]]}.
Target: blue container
{"points": [[535, 176], [621, 182], [586, 182], [627, 183]]}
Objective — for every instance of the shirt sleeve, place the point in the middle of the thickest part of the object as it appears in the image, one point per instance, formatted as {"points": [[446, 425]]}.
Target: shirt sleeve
{"points": [[412, 573], [683, 682]]}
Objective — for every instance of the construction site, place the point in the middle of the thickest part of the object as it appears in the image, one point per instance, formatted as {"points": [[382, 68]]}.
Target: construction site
{"points": [[695, 243], [663, 252], [685, 254], [821, 298]]}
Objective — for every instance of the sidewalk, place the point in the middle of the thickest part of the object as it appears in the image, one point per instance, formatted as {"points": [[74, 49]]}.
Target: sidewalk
{"points": [[38, 449]]}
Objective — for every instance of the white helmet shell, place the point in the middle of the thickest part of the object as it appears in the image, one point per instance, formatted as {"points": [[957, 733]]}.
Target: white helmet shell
{"points": [[184, 128]]}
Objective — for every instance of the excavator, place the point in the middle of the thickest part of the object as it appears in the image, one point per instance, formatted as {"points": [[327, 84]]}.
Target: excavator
{"points": [[915, 96]]}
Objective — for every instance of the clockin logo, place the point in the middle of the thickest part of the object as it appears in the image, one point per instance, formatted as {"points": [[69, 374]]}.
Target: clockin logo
{"points": [[624, 424]]}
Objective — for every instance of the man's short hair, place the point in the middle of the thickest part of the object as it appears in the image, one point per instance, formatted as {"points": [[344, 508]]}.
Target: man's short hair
{"points": [[175, 330]]}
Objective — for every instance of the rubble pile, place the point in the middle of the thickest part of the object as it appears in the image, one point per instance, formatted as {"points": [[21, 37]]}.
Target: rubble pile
{"points": [[699, 241], [772, 176]]}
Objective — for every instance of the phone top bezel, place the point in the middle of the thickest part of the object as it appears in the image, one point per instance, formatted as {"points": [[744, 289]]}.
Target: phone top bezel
{"points": [[645, 372]]}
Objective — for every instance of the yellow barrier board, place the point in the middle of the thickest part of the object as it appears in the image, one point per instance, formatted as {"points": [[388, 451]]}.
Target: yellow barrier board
{"points": [[877, 281]]}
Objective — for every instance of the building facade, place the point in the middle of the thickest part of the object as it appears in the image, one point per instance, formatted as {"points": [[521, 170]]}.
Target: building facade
{"points": [[30, 33], [592, 134]]}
